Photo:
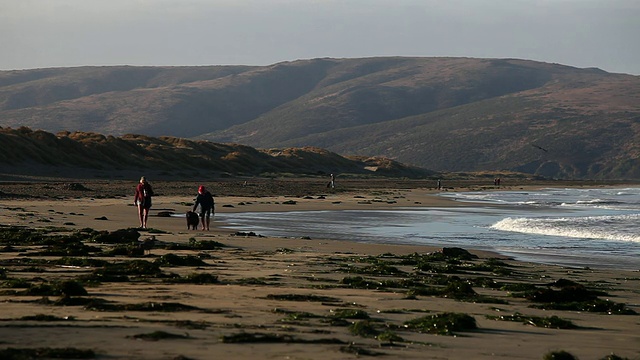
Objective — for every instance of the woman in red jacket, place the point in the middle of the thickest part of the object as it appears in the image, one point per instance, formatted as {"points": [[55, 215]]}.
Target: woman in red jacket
{"points": [[142, 199]]}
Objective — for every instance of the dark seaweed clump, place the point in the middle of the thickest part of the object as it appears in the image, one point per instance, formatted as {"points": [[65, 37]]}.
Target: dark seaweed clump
{"points": [[350, 314], [44, 317], [574, 296], [147, 306], [613, 357], [298, 297], [46, 353], [59, 288], [358, 351], [273, 338], [121, 236], [443, 324], [159, 335], [199, 278], [55, 288], [559, 355], [552, 322], [122, 271], [364, 329], [429, 269], [196, 245], [455, 288], [176, 260]]}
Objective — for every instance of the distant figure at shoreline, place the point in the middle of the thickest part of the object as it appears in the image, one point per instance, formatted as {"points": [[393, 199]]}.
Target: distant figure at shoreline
{"points": [[206, 202], [332, 182], [439, 184], [142, 200]]}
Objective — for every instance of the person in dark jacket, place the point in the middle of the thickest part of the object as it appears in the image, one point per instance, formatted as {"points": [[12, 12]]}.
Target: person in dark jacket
{"points": [[142, 200], [205, 200]]}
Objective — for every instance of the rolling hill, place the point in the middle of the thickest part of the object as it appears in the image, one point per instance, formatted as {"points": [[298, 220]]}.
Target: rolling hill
{"points": [[445, 114], [83, 154]]}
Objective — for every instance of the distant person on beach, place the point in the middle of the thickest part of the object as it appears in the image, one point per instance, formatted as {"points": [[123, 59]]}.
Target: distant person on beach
{"points": [[439, 184], [142, 199], [332, 182], [205, 200]]}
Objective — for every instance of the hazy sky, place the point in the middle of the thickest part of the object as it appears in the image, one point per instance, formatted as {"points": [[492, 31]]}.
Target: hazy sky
{"points": [[55, 33]]}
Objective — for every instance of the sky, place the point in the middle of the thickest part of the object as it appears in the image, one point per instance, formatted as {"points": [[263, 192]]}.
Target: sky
{"points": [[65, 33]]}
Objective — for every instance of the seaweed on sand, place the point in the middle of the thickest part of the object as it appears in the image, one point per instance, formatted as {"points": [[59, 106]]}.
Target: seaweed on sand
{"points": [[58, 288], [359, 351], [457, 289], [559, 355], [196, 245], [350, 314], [15, 284], [299, 297], [159, 335], [129, 250], [569, 292], [147, 306], [44, 317], [380, 268], [613, 357], [596, 305], [121, 271], [251, 281], [87, 302], [296, 315], [442, 324], [54, 244], [176, 260], [121, 236], [363, 329], [551, 322], [389, 337], [358, 282], [17, 235], [198, 278], [452, 255], [80, 262], [492, 265], [273, 338], [46, 353], [574, 296]]}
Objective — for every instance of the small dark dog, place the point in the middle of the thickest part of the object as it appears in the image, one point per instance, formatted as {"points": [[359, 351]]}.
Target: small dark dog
{"points": [[192, 220]]}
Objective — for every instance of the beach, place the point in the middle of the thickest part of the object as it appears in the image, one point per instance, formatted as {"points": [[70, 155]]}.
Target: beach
{"points": [[236, 294]]}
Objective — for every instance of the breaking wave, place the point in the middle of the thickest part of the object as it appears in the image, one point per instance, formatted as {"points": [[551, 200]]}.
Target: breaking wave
{"points": [[616, 227]]}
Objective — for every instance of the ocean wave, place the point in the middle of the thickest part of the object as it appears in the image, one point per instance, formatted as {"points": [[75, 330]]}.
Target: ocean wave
{"points": [[617, 227]]}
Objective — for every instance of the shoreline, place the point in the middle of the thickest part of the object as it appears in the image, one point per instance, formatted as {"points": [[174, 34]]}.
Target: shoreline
{"points": [[118, 213]]}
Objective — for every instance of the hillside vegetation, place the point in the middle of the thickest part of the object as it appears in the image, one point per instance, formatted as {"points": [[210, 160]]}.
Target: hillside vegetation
{"points": [[80, 154], [445, 114]]}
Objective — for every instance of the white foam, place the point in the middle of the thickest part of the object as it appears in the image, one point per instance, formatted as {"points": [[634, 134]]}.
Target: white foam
{"points": [[592, 227]]}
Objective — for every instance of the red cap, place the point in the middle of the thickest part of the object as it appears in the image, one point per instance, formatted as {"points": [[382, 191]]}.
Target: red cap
{"points": [[201, 189]]}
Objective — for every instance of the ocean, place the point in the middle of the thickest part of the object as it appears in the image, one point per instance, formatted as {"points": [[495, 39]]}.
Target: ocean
{"points": [[573, 227]]}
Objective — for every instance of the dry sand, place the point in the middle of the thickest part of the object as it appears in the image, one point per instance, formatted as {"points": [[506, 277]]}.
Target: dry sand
{"points": [[259, 276]]}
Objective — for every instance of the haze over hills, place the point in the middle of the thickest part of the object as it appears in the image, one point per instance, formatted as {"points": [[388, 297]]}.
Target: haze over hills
{"points": [[445, 114]]}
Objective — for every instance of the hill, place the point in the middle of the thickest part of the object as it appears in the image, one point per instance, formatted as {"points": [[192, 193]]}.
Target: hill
{"points": [[82, 154], [446, 114]]}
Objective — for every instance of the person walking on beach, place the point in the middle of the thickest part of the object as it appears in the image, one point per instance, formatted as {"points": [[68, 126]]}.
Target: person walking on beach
{"points": [[205, 200], [142, 200], [332, 182]]}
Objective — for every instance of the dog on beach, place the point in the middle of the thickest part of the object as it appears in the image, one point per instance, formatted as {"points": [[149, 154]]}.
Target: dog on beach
{"points": [[192, 220]]}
